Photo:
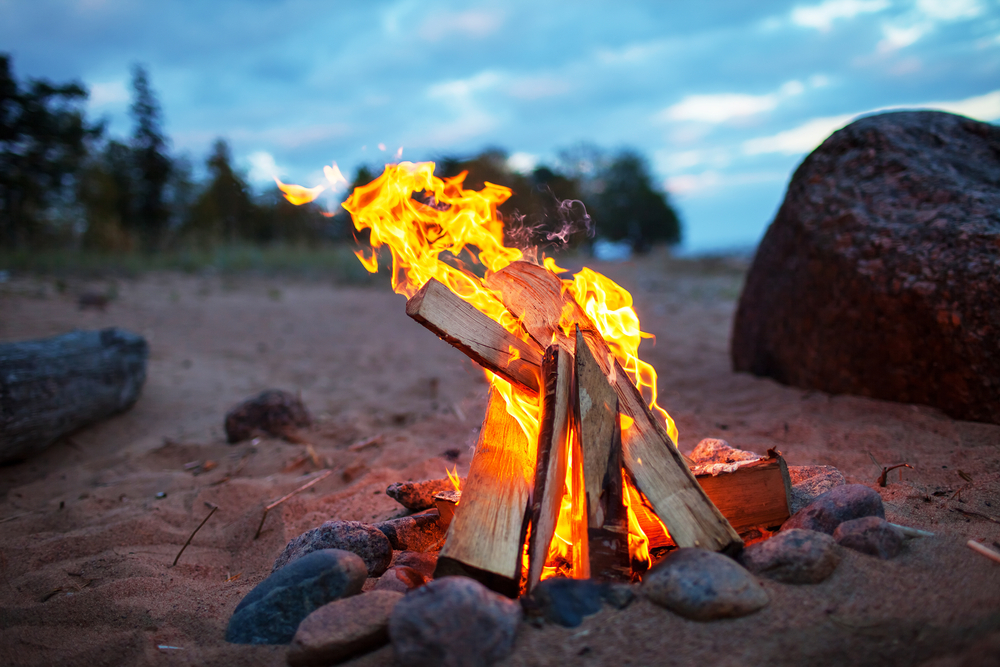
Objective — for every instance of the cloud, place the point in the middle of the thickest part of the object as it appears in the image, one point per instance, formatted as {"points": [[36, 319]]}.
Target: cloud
{"points": [[463, 89], [898, 37], [822, 16], [523, 163], [473, 23], [262, 167], [538, 87], [108, 94], [721, 107], [690, 184], [812, 133], [923, 20], [949, 10]]}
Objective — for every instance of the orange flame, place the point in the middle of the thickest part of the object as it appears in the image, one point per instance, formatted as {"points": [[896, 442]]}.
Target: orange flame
{"points": [[297, 194]]}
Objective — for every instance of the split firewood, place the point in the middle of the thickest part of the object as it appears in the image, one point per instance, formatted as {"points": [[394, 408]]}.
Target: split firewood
{"points": [[755, 494], [551, 459], [599, 435], [487, 343], [535, 295], [487, 533]]}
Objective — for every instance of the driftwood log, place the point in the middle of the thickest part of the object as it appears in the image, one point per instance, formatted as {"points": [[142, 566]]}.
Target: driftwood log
{"points": [[53, 386]]}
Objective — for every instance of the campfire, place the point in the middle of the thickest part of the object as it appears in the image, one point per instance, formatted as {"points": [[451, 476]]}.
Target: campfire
{"points": [[576, 472]]}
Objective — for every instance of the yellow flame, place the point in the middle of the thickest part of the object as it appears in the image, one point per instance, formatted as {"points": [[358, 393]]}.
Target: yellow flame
{"points": [[334, 176], [456, 481], [297, 194]]}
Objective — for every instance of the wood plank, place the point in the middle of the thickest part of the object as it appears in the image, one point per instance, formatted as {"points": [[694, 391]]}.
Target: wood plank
{"points": [[650, 455], [460, 324], [596, 408], [552, 457], [486, 536], [754, 495]]}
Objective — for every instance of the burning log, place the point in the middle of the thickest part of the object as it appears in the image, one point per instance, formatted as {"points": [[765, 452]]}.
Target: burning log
{"points": [[535, 295], [486, 535], [486, 342], [596, 409], [755, 494], [551, 459]]}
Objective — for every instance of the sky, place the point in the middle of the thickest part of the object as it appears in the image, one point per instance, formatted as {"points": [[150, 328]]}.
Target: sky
{"points": [[724, 97]]}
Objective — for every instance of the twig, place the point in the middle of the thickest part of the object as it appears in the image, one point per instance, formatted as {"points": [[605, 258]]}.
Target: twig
{"points": [[984, 550], [237, 470], [912, 532], [322, 476], [16, 516], [367, 442], [884, 477], [191, 537], [975, 513]]}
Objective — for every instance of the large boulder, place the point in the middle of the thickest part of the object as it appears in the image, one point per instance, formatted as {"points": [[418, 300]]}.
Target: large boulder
{"points": [[880, 275]]}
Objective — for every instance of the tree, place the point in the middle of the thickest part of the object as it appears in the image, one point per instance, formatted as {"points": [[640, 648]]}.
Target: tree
{"points": [[224, 211], [152, 164], [43, 141]]}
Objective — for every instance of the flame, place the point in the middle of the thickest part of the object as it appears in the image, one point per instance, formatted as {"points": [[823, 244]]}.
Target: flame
{"points": [[421, 217], [453, 477]]}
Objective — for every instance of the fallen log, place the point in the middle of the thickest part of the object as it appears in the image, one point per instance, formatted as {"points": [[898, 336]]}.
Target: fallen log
{"points": [[53, 386], [551, 458], [487, 533], [536, 296], [460, 324], [599, 435]]}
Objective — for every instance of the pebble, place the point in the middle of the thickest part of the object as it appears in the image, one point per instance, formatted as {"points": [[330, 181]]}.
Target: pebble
{"points": [[840, 504], [870, 535], [810, 482], [793, 556], [342, 629], [703, 585], [418, 496], [452, 622], [360, 538], [401, 579], [273, 412], [271, 612], [418, 532]]}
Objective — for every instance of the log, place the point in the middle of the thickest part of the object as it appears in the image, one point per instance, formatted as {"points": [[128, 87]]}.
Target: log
{"points": [[599, 435], [53, 386], [487, 343], [551, 457], [755, 495], [536, 296], [486, 537]]}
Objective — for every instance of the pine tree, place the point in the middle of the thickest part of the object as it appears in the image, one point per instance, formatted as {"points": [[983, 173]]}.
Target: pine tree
{"points": [[152, 163]]}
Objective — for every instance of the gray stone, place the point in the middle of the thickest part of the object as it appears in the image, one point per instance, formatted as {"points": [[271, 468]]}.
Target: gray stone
{"points": [[271, 612], [401, 579], [419, 495], [418, 532], [880, 275], [564, 601], [870, 535], [271, 412], [810, 482], [703, 585], [840, 504], [360, 538], [342, 629], [793, 557], [453, 622]]}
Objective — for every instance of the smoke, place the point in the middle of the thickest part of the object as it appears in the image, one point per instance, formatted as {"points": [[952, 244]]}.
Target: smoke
{"points": [[555, 227]]}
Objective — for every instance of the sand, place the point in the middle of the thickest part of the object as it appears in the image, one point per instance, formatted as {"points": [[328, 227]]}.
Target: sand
{"points": [[90, 527]]}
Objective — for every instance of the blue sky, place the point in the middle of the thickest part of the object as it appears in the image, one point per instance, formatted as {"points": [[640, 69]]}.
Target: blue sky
{"points": [[725, 97]]}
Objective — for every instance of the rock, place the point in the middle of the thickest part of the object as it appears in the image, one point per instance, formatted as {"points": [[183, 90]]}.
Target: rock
{"points": [[270, 613], [422, 562], [419, 495], [712, 450], [452, 622], [618, 596], [703, 585], [366, 541], [793, 557], [271, 412], [810, 482], [870, 535], [840, 504], [880, 274], [418, 532], [564, 601], [400, 579], [342, 629]]}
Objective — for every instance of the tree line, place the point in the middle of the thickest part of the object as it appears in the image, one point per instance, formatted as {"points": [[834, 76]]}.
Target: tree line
{"points": [[65, 182]]}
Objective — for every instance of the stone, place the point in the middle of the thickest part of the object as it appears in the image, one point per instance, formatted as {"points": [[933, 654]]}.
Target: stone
{"points": [[423, 562], [618, 596], [880, 274], [417, 532], [418, 496], [453, 622], [360, 538], [870, 535], [342, 629], [793, 557], [810, 482], [839, 504], [271, 412], [703, 585], [401, 579], [564, 601], [713, 450], [271, 612]]}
